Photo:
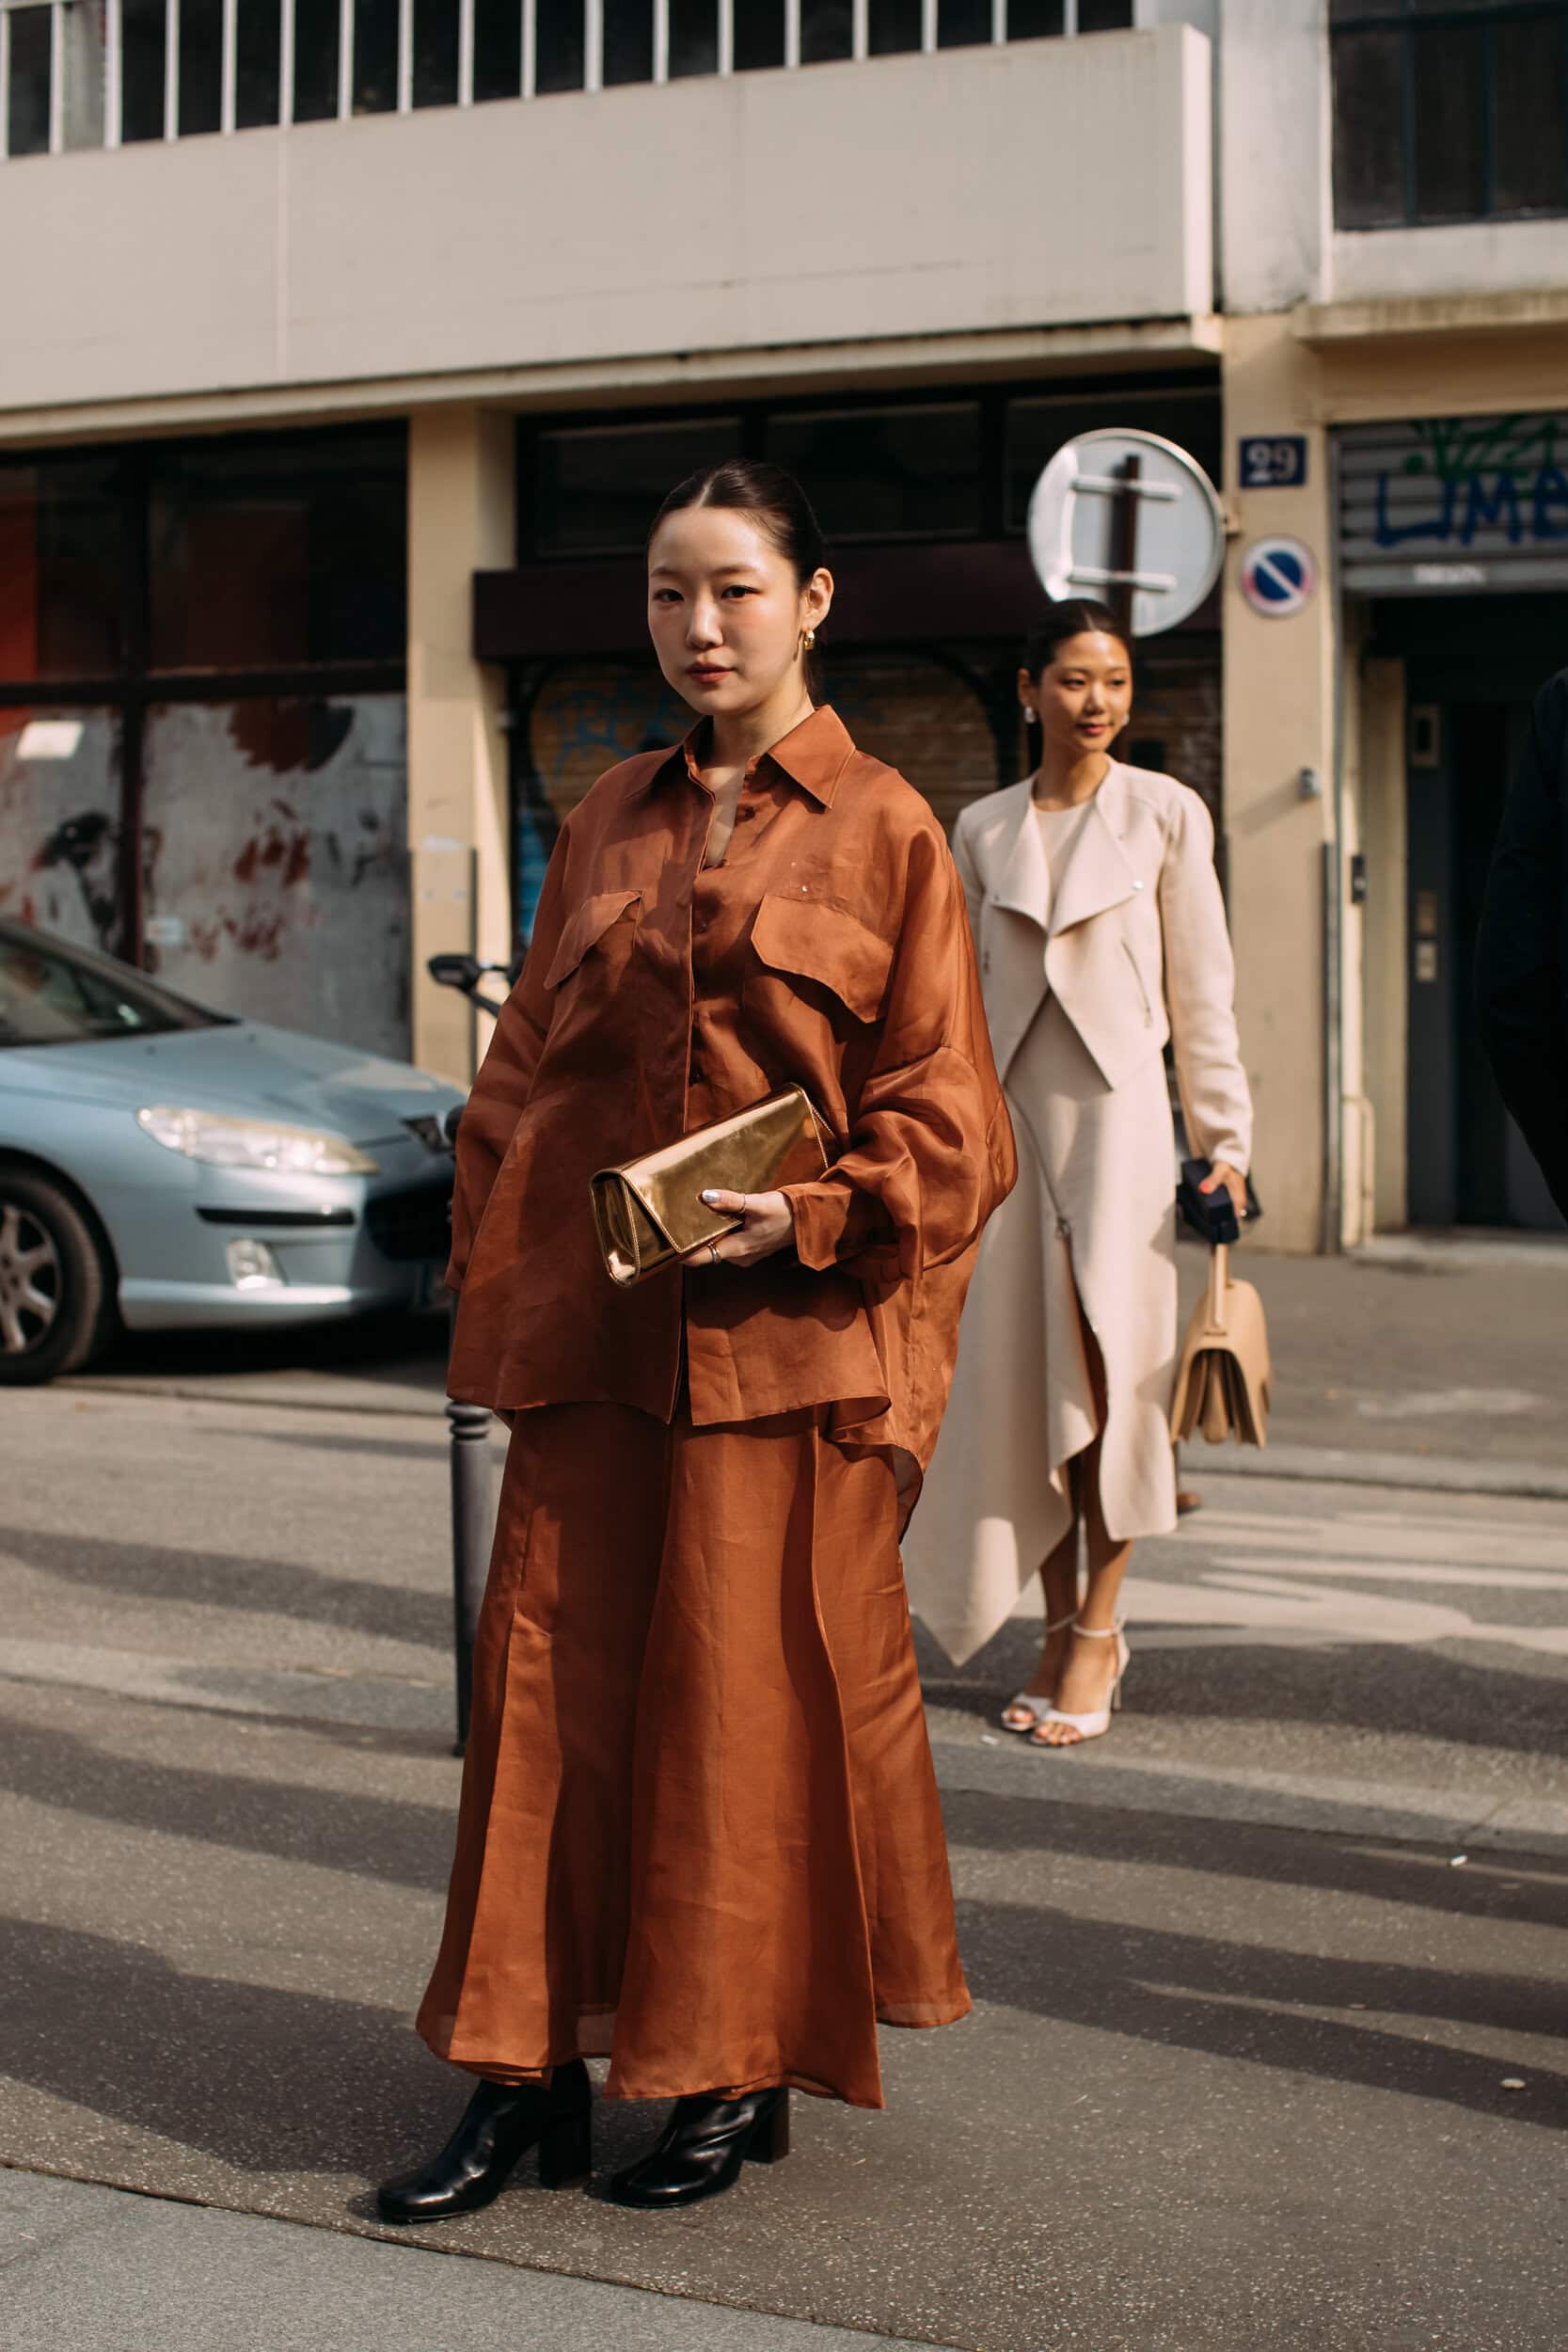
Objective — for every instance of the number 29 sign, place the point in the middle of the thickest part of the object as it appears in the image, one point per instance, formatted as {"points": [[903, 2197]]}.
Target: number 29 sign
{"points": [[1273, 461]]}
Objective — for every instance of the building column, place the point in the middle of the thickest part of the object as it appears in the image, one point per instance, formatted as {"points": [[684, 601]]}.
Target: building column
{"points": [[461, 519], [1280, 722]]}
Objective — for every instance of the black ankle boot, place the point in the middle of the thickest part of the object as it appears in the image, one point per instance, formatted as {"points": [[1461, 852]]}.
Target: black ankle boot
{"points": [[500, 2123], [704, 2146]]}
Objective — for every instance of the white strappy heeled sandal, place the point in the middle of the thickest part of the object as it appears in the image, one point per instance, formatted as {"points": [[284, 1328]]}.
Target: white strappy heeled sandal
{"points": [[1032, 1705], [1097, 1724]]}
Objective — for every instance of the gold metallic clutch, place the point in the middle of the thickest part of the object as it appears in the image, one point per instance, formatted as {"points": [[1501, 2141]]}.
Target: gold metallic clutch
{"points": [[651, 1212]]}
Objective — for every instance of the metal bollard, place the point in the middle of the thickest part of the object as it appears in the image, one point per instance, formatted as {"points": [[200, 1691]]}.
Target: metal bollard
{"points": [[472, 1522], [471, 1529]]}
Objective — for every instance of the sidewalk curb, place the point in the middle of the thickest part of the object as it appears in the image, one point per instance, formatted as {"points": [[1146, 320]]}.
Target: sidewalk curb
{"points": [[408, 1404]]}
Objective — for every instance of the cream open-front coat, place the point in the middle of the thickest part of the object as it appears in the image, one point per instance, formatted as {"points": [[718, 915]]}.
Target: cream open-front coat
{"points": [[1081, 996]]}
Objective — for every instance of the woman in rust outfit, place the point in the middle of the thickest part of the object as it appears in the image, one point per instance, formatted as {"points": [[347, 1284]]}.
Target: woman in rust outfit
{"points": [[699, 1831]]}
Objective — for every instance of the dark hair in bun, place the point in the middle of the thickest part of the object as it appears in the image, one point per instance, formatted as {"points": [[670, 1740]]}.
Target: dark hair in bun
{"points": [[1074, 617], [773, 499]]}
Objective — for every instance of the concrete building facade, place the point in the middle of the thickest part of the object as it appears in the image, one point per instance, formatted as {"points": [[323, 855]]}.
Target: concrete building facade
{"points": [[351, 342]]}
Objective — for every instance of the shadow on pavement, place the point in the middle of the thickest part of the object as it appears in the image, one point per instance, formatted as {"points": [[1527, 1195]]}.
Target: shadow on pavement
{"points": [[365, 1837], [1321, 1860], [267, 2081], [1245, 2001], [1425, 1692], [370, 1348], [223, 1580]]}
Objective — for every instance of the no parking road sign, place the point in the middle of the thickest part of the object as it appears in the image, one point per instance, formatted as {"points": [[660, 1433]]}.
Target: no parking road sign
{"points": [[1278, 575]]}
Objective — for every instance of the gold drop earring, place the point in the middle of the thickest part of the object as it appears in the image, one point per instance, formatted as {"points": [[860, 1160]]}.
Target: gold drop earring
{"points": [[808, 640]]}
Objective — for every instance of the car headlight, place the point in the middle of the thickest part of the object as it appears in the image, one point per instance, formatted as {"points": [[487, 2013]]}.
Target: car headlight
{"points": [[254, 1143]]}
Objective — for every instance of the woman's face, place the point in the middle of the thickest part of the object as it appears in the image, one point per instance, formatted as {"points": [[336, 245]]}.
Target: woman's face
{"points": [[1083, 695], [726, 610]]}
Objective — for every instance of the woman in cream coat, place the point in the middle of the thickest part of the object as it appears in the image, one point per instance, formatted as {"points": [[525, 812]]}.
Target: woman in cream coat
{"points": [[1102, 933]]}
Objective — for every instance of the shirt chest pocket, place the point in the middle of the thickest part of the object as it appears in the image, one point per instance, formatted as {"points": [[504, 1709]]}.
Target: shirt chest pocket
{"points": [[589, 926], [800, 938]]}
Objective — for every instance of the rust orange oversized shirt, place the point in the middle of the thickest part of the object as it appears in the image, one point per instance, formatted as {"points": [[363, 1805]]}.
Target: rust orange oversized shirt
{"points": [[830, 948]]}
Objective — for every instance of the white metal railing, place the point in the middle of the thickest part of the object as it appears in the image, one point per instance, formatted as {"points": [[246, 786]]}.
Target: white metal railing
{"points": [[73, 88]]}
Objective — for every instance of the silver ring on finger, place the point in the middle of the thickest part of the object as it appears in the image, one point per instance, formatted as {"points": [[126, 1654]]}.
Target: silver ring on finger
{"points": [[713, 1253]]}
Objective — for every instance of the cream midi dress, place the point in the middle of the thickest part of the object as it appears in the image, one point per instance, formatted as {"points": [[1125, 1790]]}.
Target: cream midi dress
{"points": [[1101, 936]]}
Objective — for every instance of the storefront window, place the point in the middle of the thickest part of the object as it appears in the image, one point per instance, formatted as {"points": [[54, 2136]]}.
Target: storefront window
{"points": [[267, 554], [61, 569], [886, 474], [598, 489], [152, 567], [275, 853]]}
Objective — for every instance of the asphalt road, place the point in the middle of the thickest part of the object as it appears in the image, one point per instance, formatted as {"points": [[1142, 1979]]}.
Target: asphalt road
{"points": [[1269, 2049], [1449, 1351]]}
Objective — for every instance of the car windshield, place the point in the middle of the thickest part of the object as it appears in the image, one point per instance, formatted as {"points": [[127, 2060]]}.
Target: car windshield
{"points": [[50, 996]]}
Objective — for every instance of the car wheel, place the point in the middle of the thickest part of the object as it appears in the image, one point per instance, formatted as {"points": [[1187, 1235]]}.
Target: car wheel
{"points": [[51, 1282]]}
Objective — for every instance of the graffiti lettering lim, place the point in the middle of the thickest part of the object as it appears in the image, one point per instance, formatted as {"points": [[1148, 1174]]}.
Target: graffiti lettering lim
{"points": [[1502, 477]]}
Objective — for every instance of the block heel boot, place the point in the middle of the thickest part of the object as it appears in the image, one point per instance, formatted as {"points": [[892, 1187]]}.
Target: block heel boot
{"points": [[500, 2123], [702, 2148]]}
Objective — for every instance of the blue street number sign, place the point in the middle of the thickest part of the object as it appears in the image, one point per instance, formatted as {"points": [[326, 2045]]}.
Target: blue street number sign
{"points": [[1273, 461]]}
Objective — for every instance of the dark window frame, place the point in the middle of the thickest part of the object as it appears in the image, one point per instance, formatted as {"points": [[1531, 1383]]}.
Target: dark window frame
{"points": [[1408, 19], [992, 520]]}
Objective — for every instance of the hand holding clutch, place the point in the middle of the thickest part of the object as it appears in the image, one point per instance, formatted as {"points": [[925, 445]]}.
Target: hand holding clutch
{"points": [[664, 1208], [765, 1226]]}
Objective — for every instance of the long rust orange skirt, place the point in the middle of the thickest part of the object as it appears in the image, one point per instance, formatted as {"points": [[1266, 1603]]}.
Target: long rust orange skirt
{"points": [[699, 1830]]}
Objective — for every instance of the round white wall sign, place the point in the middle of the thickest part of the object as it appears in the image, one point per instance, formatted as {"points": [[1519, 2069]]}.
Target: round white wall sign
{"points": [[1115, 489]]}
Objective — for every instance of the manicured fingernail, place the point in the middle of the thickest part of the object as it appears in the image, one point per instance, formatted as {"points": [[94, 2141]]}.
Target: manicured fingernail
{"points": [[710, 1197]]}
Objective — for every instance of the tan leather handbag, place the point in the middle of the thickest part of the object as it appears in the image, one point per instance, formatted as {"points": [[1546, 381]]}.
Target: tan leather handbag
{"points": [[650, 1212], [1222, 1381]]}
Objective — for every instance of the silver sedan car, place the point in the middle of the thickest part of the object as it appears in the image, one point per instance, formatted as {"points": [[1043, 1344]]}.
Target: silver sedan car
{"points": [[162, 1166]]}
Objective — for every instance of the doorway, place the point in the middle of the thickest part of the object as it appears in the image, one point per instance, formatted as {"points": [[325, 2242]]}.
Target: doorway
{"points": [[1469, 1164]]}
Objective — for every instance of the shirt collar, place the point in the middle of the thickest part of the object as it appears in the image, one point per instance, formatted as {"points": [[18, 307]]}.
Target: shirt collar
{"points": [[815, 755]]}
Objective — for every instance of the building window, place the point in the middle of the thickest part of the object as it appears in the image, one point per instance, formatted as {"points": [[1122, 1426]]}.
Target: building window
{"points": [[179, 69], [1038, 427], [759, 35], [910, 470], [1457, 116], [258, 66], [597, 488], [29, 38], [904, 472], [694, 38], [267, 555], [63, 550], [184, 628]]}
